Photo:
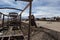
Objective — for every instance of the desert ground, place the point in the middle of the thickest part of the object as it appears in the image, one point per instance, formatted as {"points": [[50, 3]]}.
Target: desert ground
{"points": [[50, 25], [49, 31], [46, 30], [47, 24]]}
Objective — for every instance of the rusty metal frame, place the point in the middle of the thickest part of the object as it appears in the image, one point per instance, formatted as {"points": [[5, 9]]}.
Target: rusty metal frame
{"points": [[25, 0], [22, 12], [3, 19], [11, 8], [7, 15], [30, 11]]}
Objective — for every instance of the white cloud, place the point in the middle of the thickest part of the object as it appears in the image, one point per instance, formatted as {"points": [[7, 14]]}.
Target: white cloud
{"points": [[10, 2], [40, 7], [46, 11]]}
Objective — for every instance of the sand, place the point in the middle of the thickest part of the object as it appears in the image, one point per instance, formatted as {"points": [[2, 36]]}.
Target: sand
{"points": [[50, 25]]}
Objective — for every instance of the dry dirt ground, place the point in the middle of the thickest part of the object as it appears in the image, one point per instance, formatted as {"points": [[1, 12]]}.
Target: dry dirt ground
{"points": [[50, 25], [46, 31], [46, 24]]}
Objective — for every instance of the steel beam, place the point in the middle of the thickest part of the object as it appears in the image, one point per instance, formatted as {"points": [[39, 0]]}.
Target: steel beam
{"points": [[30, 12], [11, 8], [25, 0], [22, 12], [25, 8], [0, 14], [3, 21]]}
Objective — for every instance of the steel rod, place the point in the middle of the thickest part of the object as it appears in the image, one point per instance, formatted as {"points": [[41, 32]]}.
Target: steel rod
{"points": [[3, 21], [21, 14], [25, 8], [30, 9], [11, 8], [20, 21]]}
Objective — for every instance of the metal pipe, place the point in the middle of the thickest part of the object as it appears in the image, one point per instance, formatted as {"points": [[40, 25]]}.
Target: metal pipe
{"points": [[3, 21], [8, 21], [20, 21], [29, 20], [11, 8], [24, 0], [21, 14], [25, 8]]}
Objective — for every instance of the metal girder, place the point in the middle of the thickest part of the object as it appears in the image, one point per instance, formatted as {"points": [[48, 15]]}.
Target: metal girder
{"points": [[1, 13], [11, 8], [22, 12], [25, 0], [25, 8], [30, 12]]}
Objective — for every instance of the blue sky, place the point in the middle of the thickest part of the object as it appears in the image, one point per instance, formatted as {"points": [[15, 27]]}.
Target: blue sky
{"points": [[40, 8]]}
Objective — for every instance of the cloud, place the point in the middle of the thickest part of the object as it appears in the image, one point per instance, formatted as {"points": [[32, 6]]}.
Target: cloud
{"points": [[43, 8], [10, 2], [46, 8], [53, 3], [46, 11]]}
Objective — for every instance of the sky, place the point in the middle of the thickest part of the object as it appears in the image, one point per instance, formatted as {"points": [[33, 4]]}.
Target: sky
{"points": [[40, 8]]}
